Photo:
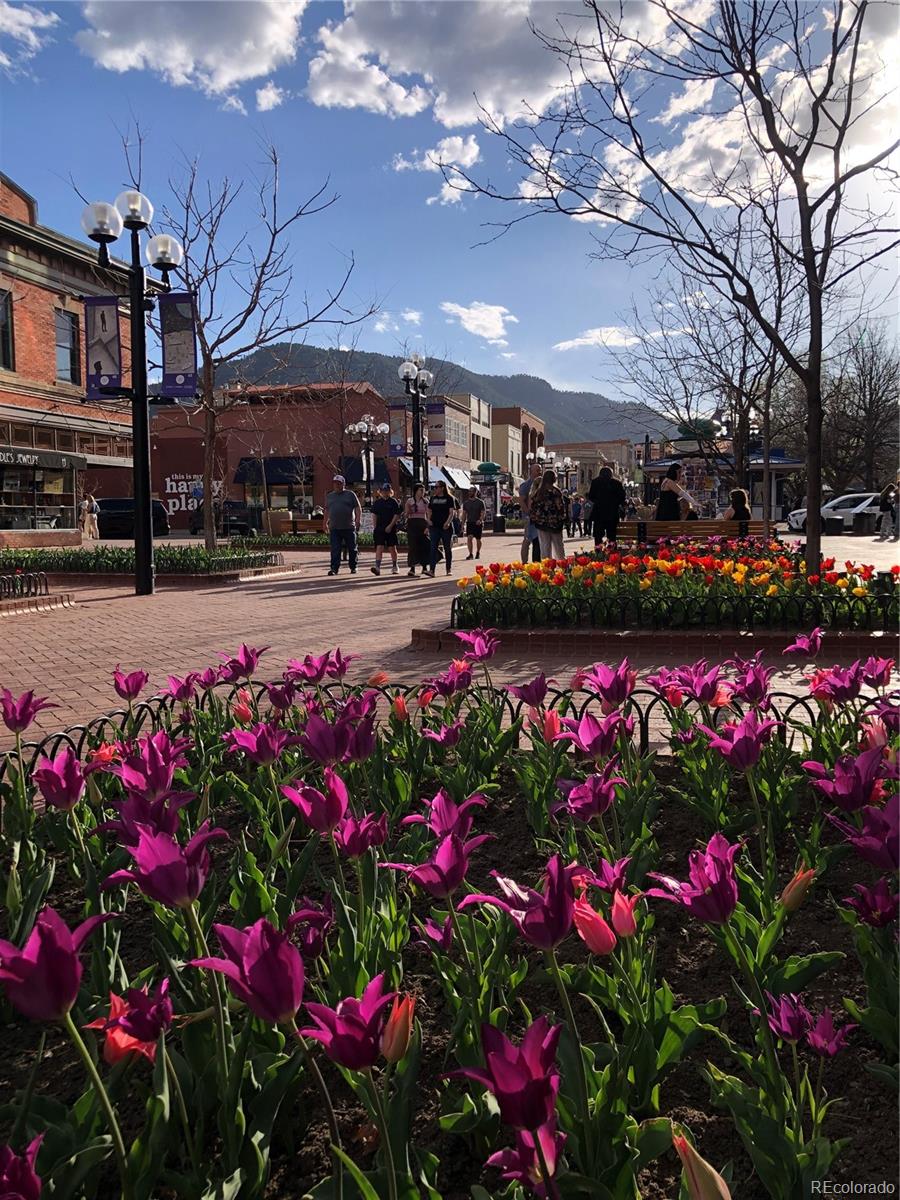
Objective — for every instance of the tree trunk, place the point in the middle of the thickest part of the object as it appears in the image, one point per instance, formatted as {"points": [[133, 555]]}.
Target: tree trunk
{"points": [[767, 473], [813, 474], [209, 470]]}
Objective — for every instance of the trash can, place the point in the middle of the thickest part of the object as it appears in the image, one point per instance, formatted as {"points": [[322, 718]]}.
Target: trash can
{"points": [[833, 526], [499, 524], [864, 523]]}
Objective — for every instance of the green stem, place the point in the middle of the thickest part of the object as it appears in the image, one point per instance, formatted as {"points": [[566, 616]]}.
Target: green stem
{"points": [[279, 815], [360, 902], [29, 1092], [385, 1137], [629, 987], [104, 1101], [798, 1093], [331, 1119], [776, 1078], [580, 1077], [474, 978], [218, 1003], [761, 831], [816, 1096], [175, 1083]]}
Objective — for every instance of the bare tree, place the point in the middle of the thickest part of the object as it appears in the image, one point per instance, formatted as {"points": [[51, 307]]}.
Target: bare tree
{"points": [[255, 265], [794, 91]]}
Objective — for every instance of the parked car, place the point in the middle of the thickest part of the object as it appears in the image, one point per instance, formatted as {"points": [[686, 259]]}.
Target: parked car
{"points": [[232, 519], [116, 517], [846, 507]]}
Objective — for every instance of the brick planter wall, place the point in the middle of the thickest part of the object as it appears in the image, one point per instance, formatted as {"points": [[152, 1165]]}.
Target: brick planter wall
{"points": [[39, 539]]}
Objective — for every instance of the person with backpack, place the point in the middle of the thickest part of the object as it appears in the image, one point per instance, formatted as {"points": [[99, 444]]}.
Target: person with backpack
{"points": [[547, 509]]}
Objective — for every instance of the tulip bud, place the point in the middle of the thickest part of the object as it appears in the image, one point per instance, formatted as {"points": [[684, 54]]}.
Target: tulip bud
{"points": [[398, 1029], [623, 908], [378, 678], [593, 930], [795, 892], [241, 709], [703, 1181], [399, 708], [425, 698]]}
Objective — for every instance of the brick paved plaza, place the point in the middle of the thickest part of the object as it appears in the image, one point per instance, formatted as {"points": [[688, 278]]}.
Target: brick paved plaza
{"points": [[69, 654]]}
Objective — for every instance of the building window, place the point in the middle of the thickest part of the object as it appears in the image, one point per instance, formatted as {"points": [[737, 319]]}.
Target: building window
{"points": [[68, 347], [7, 350], [86, 443], [43, 438], [474, 445], [65, 439], [22, 435]]}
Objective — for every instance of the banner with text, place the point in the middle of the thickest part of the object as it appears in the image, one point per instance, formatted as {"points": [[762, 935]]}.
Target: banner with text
{"points": [[179, 345], [103, 350], [399, 442], [437, 438]]}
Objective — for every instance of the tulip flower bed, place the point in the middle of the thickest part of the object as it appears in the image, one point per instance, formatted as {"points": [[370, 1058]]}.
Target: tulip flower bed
{"points": [[304, 938], [116, 560], [717, 583]]}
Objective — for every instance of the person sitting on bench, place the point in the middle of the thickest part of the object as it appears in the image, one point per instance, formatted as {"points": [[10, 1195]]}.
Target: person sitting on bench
{"points": [[740, 507]]}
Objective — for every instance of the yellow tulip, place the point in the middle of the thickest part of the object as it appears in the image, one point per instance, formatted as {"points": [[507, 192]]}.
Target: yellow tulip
{"points": [[843, 582], [860, 591], [645, 583], [521, 583]]}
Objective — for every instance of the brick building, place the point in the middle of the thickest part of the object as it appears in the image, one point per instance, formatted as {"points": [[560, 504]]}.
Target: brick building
{"points": [[53, 446], [617, 453], [516, 434]]}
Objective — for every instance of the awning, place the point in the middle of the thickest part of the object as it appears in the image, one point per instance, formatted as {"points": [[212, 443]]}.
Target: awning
{"points": [[296, 469], [458, 477], [13, 456], [407, 465], [436, 475], [352, 470]]}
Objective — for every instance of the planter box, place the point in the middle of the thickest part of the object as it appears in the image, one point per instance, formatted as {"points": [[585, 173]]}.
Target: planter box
{"points": [[39, 539]]}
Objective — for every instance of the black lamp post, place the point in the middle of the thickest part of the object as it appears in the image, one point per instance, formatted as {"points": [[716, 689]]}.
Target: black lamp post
{"points": [[370, 433], [417, 382], [103, 223]]}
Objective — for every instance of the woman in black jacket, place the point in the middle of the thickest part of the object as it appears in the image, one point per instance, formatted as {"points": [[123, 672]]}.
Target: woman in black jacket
{"points": [[607, 495]]}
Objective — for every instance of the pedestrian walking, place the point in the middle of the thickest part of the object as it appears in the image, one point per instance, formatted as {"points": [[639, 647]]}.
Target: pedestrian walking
{"points": [[440, 526], [548, 513], [91, 518], [530, 540], [473, 507], [887, 506], [607, 496], [342, 517], [386, 511], [418, 546], [577, 527]]}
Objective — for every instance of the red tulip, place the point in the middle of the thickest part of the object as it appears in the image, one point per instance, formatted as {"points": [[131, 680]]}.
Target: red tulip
{"points": [[593, 929], [398, 1030]]}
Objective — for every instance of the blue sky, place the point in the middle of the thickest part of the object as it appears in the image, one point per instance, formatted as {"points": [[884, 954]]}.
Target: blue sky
{"points": [[360, 94]]}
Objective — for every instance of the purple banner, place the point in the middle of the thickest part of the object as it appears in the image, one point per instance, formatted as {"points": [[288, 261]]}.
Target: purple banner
{"points": [[399, 440], [179, 344], [437, 437], [102, 348]]}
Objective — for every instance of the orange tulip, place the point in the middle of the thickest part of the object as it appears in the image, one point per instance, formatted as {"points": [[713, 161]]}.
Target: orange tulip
{"points": [[703, 1181], [399, 708], [118, 1044], [795, 892], [378, 678], [623, 918], [593, 929], [398, 1029], [241, 709]]}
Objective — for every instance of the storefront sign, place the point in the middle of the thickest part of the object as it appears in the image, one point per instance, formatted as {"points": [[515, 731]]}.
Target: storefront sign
{"points": [[182, 492], [399, 442], [11, 457], [179, 347], [437, 440], [103, 350]]}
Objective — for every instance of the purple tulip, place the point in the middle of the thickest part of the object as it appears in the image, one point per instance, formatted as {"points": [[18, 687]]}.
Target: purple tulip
{"points": [[264, 970], [878, 840], [839, 684], [356, 835], [876, 672], [436, 937], [338, 663], [165, 871], [752, 681], [60, 780], [324, 742], [824, 1038], [447, 736], [699, 681], [533, 693], [18, 712], [686, 737], [182, 690], [360, 707], [311, 924], [42, 979], [351, 1033], [483, 644], [312, 669], [711, 894], [281, 695], [241, 665], [523, 1079], [612, 684], [445, 871], [18, 1178], [741, 742], [543, 918], [876, 906], [525, 1164], [322, 811], [361, 740], [129, 686], [596, 739], [789, 1019], [207, 680], [136, 811], [612, 877], [806, 645], [261, 744], [457, 678], [148, 769], [444, 816], [590, 797], [854, 778], [147, 1014], [887, 708]]}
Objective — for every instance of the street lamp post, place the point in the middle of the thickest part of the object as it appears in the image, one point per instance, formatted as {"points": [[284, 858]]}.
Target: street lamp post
{"points": [[370, 433], [103, 223], [417, 382]]}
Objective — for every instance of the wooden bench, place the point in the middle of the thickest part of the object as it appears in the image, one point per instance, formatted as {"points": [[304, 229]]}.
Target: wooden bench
{"points": [[652, 531]]}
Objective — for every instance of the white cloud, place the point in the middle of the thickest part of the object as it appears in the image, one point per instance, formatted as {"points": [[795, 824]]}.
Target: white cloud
{"points": [[214, 46], [24, 30], [412, 316], [449, 152], [269, 96], [390, 322], [398, 59], [693, 98], [608, 336], [486, 321], [508, 354]]}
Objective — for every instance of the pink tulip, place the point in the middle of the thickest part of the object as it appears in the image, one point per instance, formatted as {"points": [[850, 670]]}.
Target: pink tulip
{"points": [[18, 712], [18, 1178], [623, 919], [264, 971], [60, 780], [129, 686], [593, 929]]}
